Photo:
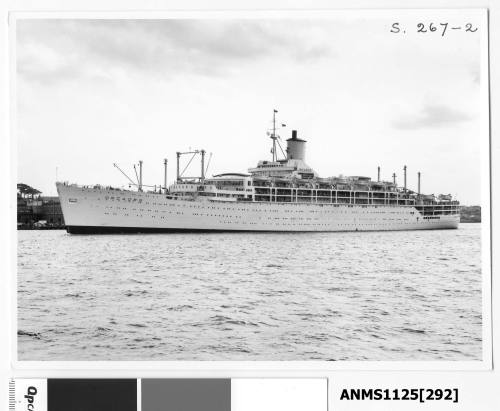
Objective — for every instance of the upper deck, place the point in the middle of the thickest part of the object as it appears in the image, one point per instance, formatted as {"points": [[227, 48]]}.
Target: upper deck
{"points": [[291, 180], [334, 190]]}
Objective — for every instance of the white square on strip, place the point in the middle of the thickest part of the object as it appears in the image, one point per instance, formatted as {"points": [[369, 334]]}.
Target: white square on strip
{"points": [[279, 394], [30, 395]]}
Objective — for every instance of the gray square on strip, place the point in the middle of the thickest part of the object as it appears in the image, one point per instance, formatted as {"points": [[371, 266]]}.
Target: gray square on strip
{"points": [[186, 394]]}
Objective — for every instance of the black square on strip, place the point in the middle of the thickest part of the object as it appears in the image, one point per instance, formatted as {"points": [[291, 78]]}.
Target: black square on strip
{"points": [[186, 394], [92, 394]]}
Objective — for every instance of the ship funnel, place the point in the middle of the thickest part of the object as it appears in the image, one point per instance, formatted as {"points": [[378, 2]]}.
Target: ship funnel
{"points": [[296, 147]]}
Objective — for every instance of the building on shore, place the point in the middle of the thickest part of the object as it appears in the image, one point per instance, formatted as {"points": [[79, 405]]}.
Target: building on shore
{"points": [[470, 214], [35, 211]]}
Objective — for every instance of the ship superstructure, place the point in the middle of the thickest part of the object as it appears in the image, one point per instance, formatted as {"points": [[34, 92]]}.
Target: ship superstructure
{"points": [[277, 195]]}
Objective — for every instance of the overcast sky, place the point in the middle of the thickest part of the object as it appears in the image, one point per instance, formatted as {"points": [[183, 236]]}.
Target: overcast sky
{"points": [[94, 92]]}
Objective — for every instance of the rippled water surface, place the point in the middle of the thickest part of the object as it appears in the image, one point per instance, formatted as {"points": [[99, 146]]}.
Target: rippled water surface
{"points": [[412, 295]]}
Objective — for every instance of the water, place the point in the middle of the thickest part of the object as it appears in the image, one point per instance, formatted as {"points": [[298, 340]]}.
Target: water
{"points": [[412, 295]]}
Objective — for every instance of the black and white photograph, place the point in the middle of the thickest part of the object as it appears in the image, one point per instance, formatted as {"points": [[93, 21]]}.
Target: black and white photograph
{"points": [[260, 187]]}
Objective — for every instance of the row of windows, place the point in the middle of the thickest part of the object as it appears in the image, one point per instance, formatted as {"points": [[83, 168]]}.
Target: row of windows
{"points": [[348, 226], [439, 210], [293, 219], [339, 195], [300, 222], [393, 202], [356, 212], [260, 217]]}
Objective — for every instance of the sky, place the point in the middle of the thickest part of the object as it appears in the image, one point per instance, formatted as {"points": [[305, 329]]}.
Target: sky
{"points": [[91, 93]]}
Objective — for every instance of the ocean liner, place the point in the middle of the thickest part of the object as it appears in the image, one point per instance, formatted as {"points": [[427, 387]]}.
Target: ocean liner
{"points": [[282, 194]]}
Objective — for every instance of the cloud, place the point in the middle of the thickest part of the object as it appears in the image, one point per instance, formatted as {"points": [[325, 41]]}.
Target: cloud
{"points": [[431, 115], [49, 50]]}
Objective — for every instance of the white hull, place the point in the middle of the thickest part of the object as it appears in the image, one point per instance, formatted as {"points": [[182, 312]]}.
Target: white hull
{"points": [[110, 210]]}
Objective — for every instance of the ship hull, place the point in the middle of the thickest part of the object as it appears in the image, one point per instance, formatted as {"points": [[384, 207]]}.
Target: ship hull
{"points": [[107, 211]]}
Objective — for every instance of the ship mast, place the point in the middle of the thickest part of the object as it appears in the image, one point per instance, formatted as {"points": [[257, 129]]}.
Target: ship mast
{"points": [[273, 136]]}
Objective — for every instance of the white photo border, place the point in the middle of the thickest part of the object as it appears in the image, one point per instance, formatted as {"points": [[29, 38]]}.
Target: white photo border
{"points": [[270, 368]]}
